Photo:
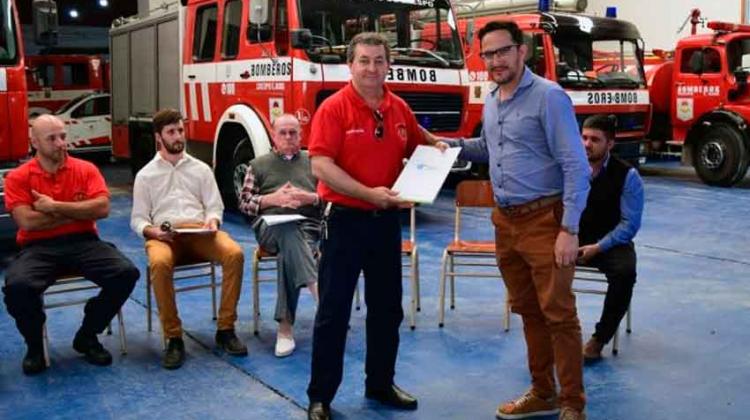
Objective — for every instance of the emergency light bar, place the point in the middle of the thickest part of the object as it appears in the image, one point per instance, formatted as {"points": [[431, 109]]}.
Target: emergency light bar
{"points": [[728, 27]]}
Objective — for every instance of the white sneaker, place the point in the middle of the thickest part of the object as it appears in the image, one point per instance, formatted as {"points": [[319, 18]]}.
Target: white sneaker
{"points": [[284, 346]]}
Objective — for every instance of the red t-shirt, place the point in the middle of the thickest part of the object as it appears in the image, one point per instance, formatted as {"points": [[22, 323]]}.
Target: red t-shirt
{"points": [[76, 180], [344, 128]]}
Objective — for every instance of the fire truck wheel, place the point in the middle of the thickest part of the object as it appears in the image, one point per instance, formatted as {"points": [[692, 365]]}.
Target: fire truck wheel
{"points": [[241, 156], [720, 156]]}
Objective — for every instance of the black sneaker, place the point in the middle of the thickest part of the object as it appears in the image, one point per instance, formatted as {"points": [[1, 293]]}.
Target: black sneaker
{"points": [[174, 356], [94, 352], [230, 343], [33, 363]]}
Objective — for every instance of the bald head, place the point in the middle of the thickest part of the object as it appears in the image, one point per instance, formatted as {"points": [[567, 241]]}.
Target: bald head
{"points": [[48, 138], [44, 123], [287, 134]]}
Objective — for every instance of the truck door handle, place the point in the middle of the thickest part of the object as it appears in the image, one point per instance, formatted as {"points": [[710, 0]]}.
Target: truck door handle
{"points": [[191, 76], [245, 74]]}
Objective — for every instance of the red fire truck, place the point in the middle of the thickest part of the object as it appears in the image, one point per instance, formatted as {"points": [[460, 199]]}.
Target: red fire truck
{"points": [[14, 139], [55, 79], [597, 60], [245, 63], [702, 103]]}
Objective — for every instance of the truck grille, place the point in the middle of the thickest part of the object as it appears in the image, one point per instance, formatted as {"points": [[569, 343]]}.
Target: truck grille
{"points": [[434, 111], [629, 121]]}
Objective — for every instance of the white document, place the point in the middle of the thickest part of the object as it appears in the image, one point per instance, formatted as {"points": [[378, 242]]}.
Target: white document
{"points": [[199, 231], [277, 219], [424, 174]]}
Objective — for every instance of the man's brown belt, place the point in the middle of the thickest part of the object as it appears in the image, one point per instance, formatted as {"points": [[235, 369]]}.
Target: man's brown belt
{"points": [[531, 206]]}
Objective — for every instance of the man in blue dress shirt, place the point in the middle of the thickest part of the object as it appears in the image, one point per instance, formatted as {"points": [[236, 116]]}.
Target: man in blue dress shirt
{"points": [[540, 178], [608, 225]]}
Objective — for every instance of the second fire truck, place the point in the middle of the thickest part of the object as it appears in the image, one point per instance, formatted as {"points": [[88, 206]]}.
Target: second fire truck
{"points": [[232, 66]]}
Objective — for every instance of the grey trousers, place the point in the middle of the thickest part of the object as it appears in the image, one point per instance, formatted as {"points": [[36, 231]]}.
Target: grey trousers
{"points": [[296, 246]]}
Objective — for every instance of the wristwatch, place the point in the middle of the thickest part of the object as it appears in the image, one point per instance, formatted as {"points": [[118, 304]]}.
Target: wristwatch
{"points": [[568, 230]]}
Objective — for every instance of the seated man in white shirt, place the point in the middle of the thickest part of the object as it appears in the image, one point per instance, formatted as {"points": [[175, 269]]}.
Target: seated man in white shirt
{"points": [[179, 189]]}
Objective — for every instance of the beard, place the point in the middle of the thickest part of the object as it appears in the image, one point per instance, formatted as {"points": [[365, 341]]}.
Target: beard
{"points": [[174, 148], [509, 75]]}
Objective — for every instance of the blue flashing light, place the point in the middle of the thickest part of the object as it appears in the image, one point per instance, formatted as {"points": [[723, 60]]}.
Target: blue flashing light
{"points": [[611, 12], [544, 5]]}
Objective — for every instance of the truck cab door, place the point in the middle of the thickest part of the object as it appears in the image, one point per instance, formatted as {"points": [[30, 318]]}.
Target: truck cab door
{"points": [[699, 85]]}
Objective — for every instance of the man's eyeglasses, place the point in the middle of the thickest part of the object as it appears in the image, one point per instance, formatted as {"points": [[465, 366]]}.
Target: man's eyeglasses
{"points": [[379, 119], [501, 52]]}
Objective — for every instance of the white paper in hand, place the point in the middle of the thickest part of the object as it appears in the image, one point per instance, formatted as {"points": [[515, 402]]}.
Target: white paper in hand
{"points": [[277, 219], [424, 174]]}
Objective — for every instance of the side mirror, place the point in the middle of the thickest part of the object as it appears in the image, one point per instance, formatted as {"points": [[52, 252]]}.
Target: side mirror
{"points": [[259, 12], [45, 22], [301, 39]]}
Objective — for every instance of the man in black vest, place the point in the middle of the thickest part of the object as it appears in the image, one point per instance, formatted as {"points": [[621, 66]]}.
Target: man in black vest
{"points": [[608, 225], [279, 183]]}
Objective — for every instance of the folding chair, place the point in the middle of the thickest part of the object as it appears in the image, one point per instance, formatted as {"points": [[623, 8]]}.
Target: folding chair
{"points": [[592, 275], [462, 253], [71, 284], [410, 257], [189, 270]]}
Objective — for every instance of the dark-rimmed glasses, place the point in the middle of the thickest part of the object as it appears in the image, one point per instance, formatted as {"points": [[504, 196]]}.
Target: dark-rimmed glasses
{"points": [[379, 119], [501, 52]]}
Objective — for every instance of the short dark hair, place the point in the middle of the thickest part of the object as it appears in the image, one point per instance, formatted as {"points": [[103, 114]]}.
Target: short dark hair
{"points": [[502, 25], [166, 117], [602, 122], [367, 38]]}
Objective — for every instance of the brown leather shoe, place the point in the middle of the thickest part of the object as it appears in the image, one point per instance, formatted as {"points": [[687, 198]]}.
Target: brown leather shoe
{"points": [[592, 351], [527, 405]]}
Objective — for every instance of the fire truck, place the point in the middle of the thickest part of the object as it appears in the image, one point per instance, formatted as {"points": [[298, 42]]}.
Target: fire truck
{"points": [[597, 60], [55, 79], [14, 140], [233, 66], [701, 101]]}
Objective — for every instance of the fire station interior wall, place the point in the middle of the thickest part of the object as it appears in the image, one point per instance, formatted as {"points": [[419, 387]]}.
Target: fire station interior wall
{"points": [[142, 99], [658, 21], [120, 79], [169, 74]]}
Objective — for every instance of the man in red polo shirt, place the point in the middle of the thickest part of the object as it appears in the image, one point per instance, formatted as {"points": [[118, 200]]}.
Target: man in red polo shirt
{"points": [[55, 199], [360, 136]]}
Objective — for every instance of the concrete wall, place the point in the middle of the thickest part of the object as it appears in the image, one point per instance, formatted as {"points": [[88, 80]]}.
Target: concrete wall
{"points": [[658, 20]]}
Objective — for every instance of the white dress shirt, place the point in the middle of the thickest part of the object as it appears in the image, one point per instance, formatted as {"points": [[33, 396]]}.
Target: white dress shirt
{"points": [[178, 194]]}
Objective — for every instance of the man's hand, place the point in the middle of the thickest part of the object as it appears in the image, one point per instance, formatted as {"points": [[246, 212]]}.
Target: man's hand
{"points": [[212, 225], [385, 198], [43, 203], [154, 232], [283, 197], [566, 249], [306, 198], [587, 252]]}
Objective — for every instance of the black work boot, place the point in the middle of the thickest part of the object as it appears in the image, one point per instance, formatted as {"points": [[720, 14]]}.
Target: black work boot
{"points": [[93, 351], [174, 355], [230, 343], [33, 362]]}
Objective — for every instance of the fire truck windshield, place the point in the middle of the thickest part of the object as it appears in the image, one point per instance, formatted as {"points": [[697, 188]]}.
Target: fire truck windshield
{"points": [[420, 32], [8, 50], [606, 63], [738, 54]]}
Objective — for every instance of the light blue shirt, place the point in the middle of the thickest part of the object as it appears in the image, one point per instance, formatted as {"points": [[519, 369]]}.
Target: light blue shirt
{"points": [[533, 146], [631, 210]]}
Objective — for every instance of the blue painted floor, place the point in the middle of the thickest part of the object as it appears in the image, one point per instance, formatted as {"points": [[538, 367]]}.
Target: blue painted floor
{"points": [[687, 358]]}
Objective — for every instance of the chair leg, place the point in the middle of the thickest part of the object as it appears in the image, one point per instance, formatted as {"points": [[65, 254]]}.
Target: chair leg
{"points": [[414, 293], [506, 318], [121, 327], [148, 300], [45, 345], [214, 313], [453, 281], [441, 315], [616, 342], [628, 329], [416, 272], [256, 293]]}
